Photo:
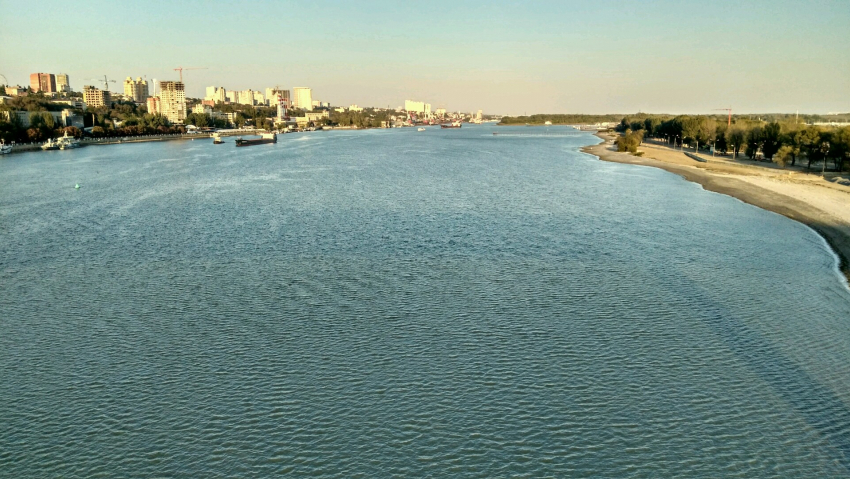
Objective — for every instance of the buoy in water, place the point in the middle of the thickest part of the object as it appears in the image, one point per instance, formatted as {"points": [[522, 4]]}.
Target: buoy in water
{"points": [[77, 186]]}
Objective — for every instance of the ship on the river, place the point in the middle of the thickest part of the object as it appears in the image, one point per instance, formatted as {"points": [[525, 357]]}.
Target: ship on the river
{"points": [[264, 138]]}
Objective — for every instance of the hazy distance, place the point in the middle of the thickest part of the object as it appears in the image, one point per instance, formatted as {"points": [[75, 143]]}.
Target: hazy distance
{"points": [[502, 57]]}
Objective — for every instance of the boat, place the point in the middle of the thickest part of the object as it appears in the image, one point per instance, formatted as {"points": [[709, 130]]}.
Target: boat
{"points": [[5, 149], [264, 138], [50, 145], [420, 129], [216, 139], [68, 142], [454, 124]]}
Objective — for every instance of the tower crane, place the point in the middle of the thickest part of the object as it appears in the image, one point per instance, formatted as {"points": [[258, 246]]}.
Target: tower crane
{"points": [[105, 81], [729, 123], [180, 69]]}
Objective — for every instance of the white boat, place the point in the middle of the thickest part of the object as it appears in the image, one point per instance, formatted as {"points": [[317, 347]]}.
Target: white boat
{"points": [[420, 129], [68, 142], [50, 145], [5, 149]]}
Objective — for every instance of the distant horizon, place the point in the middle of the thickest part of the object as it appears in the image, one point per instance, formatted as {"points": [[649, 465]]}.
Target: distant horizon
{"points": [[498, 57]]}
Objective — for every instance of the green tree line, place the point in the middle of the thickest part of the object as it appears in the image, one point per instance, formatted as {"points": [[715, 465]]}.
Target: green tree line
{"points": [[784, 142]]}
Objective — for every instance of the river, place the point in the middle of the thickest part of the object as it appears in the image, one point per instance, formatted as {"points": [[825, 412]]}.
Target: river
{"points": [[394, 303]]}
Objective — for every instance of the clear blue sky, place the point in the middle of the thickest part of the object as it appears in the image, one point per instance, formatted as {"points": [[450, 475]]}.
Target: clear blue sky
{"points": [[499, 56]]}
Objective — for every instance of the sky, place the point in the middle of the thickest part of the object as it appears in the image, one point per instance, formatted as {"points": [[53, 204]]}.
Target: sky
{"points": [[503, 57]]}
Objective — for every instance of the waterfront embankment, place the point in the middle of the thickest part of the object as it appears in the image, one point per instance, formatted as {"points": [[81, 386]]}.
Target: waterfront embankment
{"points": [[120, 140], [819, 203]]}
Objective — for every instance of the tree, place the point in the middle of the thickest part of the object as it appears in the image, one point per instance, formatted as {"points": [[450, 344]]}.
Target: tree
{"points": [[783, 155], [706, 131], [630, 141], [690, 129], [840, 150], [737, 139], [771, 139], [73, 131], [755, 137], [651, 125], [809, 141], [98, 132]]}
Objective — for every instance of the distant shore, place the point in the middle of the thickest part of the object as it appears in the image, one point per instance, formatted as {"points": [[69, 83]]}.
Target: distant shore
{"points": [[822, 205]]}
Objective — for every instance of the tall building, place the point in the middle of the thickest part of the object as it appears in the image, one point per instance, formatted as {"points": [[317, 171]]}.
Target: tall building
{"points": [[44, 82], [272, 95], [136, 89], [232, 96], [419, 107], [216, 94], [95, 97], [246, 97], [153, 105], [479, 115], [303, 98], [172, 97], [62, 82], [259, 99]]}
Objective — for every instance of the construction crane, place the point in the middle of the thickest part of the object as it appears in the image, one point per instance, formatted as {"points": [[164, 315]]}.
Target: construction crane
{"points": [[729, 123], [180, 69], [104, 80]]}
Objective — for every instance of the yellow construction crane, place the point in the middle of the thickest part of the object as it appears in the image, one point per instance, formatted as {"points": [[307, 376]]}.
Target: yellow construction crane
{"points": [[180, 69]]}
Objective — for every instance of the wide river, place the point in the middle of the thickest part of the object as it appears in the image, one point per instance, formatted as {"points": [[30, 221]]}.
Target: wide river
{"points": [[394, 303]]}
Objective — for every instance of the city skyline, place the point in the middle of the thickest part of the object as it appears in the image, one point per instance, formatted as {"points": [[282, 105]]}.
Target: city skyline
{"points": [[499, 57]]}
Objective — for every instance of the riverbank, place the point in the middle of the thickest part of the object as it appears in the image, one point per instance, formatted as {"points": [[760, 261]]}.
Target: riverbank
{"points": [[120, 140], [818, 203]]}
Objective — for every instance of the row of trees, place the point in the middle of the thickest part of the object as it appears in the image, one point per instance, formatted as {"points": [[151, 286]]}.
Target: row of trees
{"points": [[783, 142], [558, 119], [368, 118]]}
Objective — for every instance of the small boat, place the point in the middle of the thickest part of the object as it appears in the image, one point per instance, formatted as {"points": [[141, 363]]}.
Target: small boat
{"points": [[68, 142], [216, 139], [50, 145], [420, 129], [454, 124], [77, 186], [5, 149], [265, 138]]}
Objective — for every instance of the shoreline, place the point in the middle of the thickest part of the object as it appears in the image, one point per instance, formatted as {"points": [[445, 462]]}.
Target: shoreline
{"points": [[833, 230]]}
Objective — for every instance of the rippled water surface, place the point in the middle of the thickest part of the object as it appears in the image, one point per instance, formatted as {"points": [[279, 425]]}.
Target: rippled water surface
{"points": [[405, 304]]}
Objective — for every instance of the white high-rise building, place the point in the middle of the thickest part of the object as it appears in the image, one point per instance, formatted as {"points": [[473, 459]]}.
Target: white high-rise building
{"points": [[259, 99], [62, 83], [172, 97], [216, 94], [232, 96], [417, 106], [246, 97], [303, 98]]}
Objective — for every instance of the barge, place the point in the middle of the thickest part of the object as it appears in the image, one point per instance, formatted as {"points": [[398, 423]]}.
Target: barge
{"points": [[264, 138]]}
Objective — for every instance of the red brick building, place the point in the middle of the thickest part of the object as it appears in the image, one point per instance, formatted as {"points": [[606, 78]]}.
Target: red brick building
{"points": [[45, 82]]}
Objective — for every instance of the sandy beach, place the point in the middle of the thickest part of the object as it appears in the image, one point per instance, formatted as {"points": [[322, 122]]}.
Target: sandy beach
{"points": [[808, 198]]}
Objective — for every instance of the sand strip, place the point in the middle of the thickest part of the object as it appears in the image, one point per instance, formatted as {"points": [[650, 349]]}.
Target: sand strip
{"points": [[823, 207]]}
